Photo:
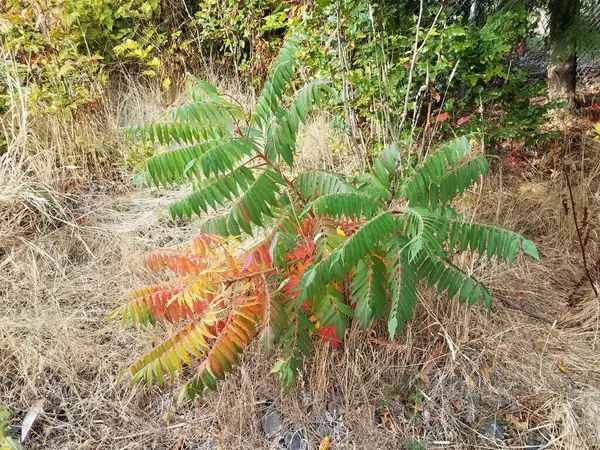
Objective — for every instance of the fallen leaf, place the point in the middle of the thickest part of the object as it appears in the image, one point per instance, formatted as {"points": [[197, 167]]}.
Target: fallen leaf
{"points": [[516, 422], [456, 404], [562, 367], [485, 375], [470, 383], [325, 443], [32, 414], [388, 344], [430, 364], [463, 120], [386, 420]]}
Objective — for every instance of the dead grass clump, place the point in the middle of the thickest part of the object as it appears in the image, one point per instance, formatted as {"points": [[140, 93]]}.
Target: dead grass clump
{"points": [[320, 149], [452, 371], [530, 366]]}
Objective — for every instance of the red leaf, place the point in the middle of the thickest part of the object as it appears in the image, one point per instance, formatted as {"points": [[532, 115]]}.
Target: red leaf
{"points": [[328, 335], [442, 117], [463, 120]]}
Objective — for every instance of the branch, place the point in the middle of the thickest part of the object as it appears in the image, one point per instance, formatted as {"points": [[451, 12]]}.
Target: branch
{"points": [[583, 256]]}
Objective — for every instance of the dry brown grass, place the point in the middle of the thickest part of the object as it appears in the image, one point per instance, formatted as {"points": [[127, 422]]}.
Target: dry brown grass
{"points": [[533, 363]]}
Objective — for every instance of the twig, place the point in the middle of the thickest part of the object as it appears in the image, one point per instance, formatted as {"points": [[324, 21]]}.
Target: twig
{"points": [[574, 299], [412, 68], [509, 305], [583, 256]]}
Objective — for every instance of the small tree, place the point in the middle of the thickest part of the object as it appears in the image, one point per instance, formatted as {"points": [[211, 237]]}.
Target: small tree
{"points": [[329, 248]]}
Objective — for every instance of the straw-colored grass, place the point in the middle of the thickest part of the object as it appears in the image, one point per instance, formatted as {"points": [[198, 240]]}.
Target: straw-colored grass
{"points": [[532, 365]]}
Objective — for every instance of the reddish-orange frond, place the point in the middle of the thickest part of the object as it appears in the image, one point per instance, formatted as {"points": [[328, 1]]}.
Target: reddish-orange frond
{"points": [[236, 335], [172, 301], [219, 290], [179, 262]]}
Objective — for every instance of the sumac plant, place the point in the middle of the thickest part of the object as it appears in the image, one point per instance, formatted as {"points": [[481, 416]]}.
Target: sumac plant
{"points": [[326, 249]]}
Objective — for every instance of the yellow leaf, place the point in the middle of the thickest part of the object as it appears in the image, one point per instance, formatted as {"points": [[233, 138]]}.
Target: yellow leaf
{"points": [[314, 320], [562, 367], [485, 375], [340, 231], [470, 383], [325, 443], [516, 422]]}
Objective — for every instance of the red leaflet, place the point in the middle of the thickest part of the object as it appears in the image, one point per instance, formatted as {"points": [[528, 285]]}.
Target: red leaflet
{"points": [[463, 120], [443, 117], [328, 335]]}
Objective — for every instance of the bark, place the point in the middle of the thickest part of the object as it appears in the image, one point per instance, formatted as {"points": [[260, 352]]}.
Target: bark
{"points": [[562, 66]]}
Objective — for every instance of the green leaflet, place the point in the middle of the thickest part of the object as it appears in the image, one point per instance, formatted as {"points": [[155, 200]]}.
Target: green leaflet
{"points": [[214, 193], [444, 174], [208, 158], [275, 85], [369, 290], [488, 240], [345, 256], [283, 141], [251, 207], [346, 204], [332, 310], [530, 248], [451, 279], [403, 290], [313, 184]]}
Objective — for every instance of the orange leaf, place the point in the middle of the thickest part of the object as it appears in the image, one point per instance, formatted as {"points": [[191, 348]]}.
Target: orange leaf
{"points": [[517, 423]]}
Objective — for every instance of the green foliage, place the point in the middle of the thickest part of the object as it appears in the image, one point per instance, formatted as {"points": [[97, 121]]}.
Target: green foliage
{"points": [[59, 53], [246, 34], [333, 249], [463, 64], [6, 442]]}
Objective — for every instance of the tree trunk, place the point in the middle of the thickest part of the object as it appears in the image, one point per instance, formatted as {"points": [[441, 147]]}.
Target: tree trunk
{"points": [[562, 66]]}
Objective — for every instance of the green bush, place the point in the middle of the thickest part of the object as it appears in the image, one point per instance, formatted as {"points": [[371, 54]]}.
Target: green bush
{"points": [[59, 53], [6, 442]]}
